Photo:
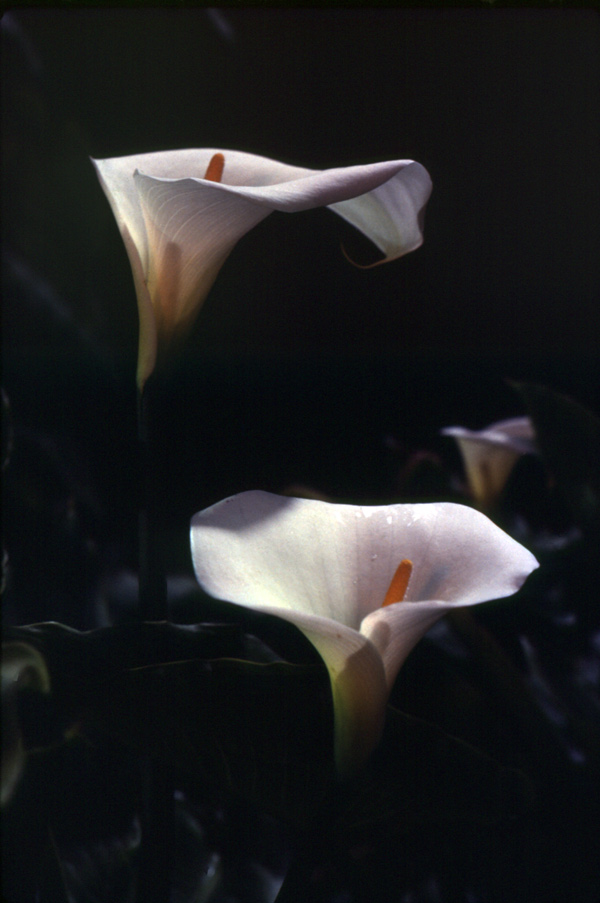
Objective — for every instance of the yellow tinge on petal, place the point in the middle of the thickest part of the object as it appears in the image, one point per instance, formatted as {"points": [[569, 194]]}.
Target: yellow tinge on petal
{"points": [[358, 688]]}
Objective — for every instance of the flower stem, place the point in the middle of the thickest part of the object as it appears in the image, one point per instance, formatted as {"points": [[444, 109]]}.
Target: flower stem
{"points": [[152, 582], [157, 790]]}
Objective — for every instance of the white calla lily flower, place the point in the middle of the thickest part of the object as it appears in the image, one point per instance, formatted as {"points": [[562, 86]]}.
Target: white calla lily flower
{"points": [[181, 213], [364, 584], [489, 455]]}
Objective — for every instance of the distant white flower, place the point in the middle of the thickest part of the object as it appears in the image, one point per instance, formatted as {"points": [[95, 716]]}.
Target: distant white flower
{"points": [[181, 213], [364, 584], [490, 454]]}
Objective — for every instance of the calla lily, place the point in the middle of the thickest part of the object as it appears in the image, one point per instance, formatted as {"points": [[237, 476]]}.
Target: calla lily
{"points": [[490, 454], [181, 213], [364, 584], [22, 666]]}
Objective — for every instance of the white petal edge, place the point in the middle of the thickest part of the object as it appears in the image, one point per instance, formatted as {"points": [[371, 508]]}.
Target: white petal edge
{"points": [[391, 214], [385, 201], [517, 433], [396, 629], [337, 561]]}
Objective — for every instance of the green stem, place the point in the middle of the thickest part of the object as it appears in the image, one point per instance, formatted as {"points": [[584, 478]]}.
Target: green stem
{"points": [[152, 582], [157, 790]]}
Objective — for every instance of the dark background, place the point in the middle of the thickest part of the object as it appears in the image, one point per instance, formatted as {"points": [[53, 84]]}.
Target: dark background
{"points": [[302, 369]]}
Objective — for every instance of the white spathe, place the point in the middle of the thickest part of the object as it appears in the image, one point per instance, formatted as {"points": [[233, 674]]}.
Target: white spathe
{"points": [[489, 455], [327, 567], [179, 227]]}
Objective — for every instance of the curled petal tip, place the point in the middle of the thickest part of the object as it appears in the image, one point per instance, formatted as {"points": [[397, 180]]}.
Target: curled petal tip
{"points": [[181, 213]]}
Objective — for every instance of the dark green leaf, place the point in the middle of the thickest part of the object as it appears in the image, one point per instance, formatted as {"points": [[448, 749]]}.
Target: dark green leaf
{"points": [[263, 732]]}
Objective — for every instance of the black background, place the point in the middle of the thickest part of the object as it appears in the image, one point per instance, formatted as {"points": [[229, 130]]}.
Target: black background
{"points": [[301, 369]]}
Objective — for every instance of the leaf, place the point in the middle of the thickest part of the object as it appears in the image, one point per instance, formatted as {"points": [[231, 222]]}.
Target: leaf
{"points": [[263, 732], [568, 436], [71, 832]]}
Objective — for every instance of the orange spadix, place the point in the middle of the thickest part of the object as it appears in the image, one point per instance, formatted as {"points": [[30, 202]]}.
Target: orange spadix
{"points": [[399, 584], [214, 170]]}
